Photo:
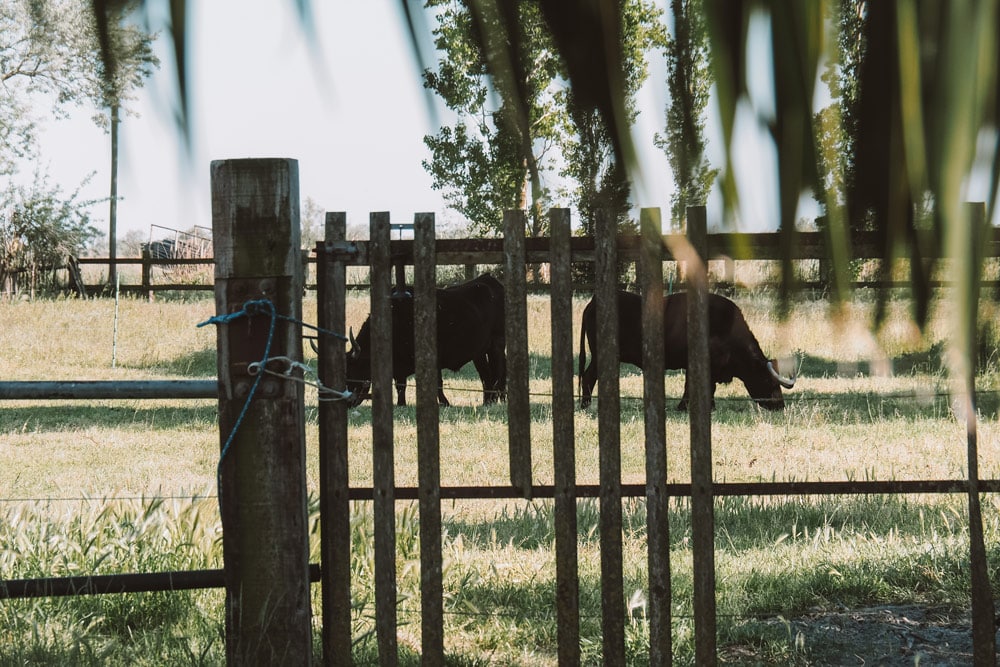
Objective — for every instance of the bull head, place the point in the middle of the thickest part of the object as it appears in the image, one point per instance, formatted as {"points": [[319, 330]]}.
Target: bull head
{"points": [[772, 368]]}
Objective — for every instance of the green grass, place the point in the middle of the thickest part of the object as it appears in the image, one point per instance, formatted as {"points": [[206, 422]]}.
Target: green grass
{"points": [[107, 486]]}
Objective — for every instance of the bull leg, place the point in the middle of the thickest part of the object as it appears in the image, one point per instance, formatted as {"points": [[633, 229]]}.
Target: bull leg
{"points": [[401, 391], [486, 377], [587, 381], [498, 368], [683, 405], [442, 399]]}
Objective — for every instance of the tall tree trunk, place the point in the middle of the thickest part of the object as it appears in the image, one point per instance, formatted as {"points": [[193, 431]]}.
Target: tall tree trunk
{"points": [[113, 210]]}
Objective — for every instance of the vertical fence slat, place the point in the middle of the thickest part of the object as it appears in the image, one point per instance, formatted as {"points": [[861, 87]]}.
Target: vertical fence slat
{"points": [[700, 414], [983, 610], [335, 514], [657, 501], [382, 433], [428, 446], [255, 221], [609, 438], [516, 312], [563, 441]]}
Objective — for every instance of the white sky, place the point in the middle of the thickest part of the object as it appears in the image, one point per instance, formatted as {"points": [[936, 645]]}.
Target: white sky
{"points": [[356, 127]]}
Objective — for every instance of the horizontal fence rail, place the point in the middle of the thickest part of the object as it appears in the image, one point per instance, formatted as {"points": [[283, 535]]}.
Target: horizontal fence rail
{"points": [[680, 490], [140, 582], [108, 389], [734, 246]]}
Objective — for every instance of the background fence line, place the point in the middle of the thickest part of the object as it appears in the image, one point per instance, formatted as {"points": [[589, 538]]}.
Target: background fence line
{"points": [[734, 246]]}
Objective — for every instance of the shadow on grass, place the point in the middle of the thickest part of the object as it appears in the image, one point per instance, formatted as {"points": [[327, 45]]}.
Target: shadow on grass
{"points": [[200, 364], [66, 416], [741, 522], [929, 361]]}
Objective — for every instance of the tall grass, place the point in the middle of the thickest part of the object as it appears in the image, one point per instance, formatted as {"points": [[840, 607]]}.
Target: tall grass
{"points": [[121, 486]]}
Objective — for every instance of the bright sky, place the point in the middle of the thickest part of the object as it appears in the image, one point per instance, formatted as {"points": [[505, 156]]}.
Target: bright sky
{"points": [[355, 124]]}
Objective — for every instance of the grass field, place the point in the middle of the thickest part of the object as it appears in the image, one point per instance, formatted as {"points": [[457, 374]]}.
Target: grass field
{"points": [[123, 486]]}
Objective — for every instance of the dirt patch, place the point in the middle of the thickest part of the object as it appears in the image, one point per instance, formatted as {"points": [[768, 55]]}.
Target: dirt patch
{"points": [[887, 636]]}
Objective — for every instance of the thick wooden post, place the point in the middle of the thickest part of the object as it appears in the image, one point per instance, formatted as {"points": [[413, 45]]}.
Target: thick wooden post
{"points": [[563, 442], [428, 441], [700, 411], [657, 506], [973, 226], [147, 270], [334, 505], [516, 312], [383, 471], [609, 438], [262, 494]]}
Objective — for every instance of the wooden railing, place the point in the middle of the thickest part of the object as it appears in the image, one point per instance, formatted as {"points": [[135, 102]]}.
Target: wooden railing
{"points": [[729, 247]]}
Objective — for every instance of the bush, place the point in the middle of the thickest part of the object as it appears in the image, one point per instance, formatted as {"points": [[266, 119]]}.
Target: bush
{"points": [[41, 232]]}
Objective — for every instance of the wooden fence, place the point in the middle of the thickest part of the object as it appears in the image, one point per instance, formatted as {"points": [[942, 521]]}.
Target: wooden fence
{"points": [[725, 249], [605, 250], [262, 471]]}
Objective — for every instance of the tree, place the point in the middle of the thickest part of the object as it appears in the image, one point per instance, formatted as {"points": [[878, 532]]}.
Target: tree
{"points": [[689, 81], [313, 222], [600, 174], [43, 55], [495, 155], [41, 232], [54, 50], [128, 63]]}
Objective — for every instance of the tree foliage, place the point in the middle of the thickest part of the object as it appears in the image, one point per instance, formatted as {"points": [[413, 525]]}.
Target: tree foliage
{"points": [[599, 173], [518, 121], [41, 231], [42, 55], [495, 155], [689, 81]]}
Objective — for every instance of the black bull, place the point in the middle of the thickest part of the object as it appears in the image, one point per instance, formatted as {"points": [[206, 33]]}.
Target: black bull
{"points": [[733, 349], [470, 327]]}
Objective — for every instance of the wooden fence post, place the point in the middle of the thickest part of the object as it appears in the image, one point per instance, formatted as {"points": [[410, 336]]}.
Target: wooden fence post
{"points": [[147, 271], [383, 472], [335, 508], [516, 312], [428, 439], [262, 494], [700, 413], [609, 437], [983, 608], [657, 502], [563, 441]]}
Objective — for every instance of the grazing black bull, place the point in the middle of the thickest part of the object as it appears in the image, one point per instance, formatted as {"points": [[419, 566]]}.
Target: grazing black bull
{"points": [[733, 349], [470, 327]]}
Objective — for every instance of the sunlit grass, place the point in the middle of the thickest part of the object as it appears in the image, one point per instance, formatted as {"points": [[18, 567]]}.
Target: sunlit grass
{"points": [[865, 407]]}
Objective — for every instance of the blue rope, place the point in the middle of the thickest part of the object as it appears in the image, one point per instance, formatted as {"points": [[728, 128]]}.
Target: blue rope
{"points": [[250, 308]]}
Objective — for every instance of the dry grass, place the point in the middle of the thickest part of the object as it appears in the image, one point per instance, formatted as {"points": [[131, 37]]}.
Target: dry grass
{"points": [[867, 406]]}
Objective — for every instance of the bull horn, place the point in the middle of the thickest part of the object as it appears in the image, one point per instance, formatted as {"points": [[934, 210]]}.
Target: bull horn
{"points": [[350, 335], [787, 383]]}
